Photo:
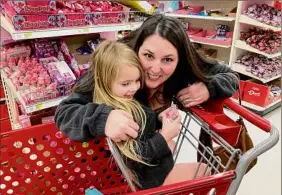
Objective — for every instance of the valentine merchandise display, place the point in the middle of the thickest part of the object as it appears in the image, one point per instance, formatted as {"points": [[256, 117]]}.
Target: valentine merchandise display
{"points": [[89, 47], [44, 48], [28, 15], [260, 66], [18, 50], [265, 14], [42, 76], [30, 79], [83, 13], [266, 41]]}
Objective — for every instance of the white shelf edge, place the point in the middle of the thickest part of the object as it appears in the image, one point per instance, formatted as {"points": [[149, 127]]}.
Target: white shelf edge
{"points": [[241, 69], [34, 107], [217, 45], [247, 20], [255, 107], [229, 19], [32, 34], [243, 45]]}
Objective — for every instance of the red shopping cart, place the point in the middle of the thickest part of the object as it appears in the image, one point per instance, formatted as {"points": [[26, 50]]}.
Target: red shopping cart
{"points": [[40, 160]]}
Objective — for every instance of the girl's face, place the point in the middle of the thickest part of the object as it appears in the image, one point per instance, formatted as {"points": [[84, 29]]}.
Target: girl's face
{"points": [[127, 83], [159, 59]]}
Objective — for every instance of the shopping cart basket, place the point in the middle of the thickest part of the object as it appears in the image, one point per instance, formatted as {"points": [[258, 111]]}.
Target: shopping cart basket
{"points": [[40, 160]]}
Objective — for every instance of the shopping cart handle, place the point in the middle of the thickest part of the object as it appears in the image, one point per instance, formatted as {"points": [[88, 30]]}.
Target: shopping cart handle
{"points": [[248, 115]]}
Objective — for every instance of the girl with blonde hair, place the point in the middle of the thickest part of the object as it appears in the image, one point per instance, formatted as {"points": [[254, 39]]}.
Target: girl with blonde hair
{"points": [[117, 75]]}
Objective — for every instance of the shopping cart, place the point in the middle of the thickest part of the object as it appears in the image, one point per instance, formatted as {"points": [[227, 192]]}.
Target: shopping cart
{"points": [[40, 160]]}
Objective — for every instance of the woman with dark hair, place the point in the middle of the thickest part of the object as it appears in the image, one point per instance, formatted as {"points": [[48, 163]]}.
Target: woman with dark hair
{"points": [[172, 68]]}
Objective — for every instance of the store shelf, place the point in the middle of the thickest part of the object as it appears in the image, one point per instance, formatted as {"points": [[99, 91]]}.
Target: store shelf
{"points": [[258, 109], [34, 107], [5, 37], [228, 19], [243, 45], [21, 35], [247, 20], [216, 45], [242, 69]]}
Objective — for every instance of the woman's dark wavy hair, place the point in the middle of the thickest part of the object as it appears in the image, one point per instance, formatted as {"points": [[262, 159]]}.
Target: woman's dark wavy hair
{"points": [[190, 67]]}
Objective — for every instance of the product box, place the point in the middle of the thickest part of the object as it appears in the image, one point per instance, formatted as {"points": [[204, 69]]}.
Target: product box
{"points": [[259, 94], [30, 22], [31, 6], [242, 86]]}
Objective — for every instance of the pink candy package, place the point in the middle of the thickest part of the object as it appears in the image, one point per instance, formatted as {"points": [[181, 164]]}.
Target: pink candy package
{"points": [[31, 6], [16, 51], [24, 121], [48, 119]]}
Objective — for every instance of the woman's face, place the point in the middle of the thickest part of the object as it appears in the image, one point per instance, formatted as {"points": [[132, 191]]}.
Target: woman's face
{"points": [[159, 59]]}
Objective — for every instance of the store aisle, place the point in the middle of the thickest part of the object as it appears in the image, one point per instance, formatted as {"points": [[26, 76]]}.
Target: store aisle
{"points": [[265, 177]]}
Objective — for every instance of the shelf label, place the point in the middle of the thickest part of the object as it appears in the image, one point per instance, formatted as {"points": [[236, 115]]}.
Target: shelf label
{"points": [[85, 30], [28, 35], [39, 106]]}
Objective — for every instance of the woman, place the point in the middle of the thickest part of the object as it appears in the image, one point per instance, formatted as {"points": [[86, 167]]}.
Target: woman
{"points": [[172, 68]]}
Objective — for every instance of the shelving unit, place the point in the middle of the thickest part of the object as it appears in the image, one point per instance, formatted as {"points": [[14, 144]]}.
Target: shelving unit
{"points": [[210, 22], [241, 69], [247, 20], [226, 19], [243, 45], [216, 45], [240, 47], [12, 35], [23, 35]]}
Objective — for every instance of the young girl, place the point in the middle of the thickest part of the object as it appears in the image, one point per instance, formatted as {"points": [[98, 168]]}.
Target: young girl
{"points": [[117, 77]]}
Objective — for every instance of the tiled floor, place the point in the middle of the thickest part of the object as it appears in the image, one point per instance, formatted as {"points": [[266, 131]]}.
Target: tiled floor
{"points": [[265, 177]]}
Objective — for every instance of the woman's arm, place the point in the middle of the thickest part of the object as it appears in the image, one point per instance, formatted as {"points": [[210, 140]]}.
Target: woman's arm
{"points": [[82, 120], [223, 83]]}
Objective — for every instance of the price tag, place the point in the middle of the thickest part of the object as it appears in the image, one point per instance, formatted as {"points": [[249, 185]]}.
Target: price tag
{"points": [[39, 106], [28, 35], [85, 29]]}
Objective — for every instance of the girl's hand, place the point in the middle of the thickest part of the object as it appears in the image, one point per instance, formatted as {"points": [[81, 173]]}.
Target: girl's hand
{"points": [[171, 126]]}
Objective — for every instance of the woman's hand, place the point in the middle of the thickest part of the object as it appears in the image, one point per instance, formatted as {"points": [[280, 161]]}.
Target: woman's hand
{"points": [[120, 126], [171, 126], [193, 95]]}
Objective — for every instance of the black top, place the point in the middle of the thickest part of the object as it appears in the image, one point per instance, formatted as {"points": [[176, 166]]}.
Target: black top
{"points": [[77, 109]]}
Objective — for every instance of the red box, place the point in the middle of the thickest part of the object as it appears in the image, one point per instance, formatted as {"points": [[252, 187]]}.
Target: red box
{"points": [[242, 86], [258, 94], [31, 6]]}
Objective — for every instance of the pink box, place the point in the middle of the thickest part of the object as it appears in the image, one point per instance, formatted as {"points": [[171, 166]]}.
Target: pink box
{"points": [[29, 22], [70, 19], [193, 31], [203, 36], [32, 6]]}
